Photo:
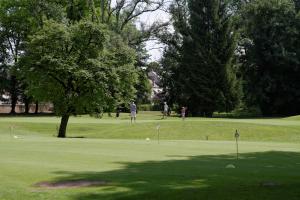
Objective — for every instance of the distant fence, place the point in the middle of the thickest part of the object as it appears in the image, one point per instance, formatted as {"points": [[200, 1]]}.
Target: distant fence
{"points": [[20, 108]]}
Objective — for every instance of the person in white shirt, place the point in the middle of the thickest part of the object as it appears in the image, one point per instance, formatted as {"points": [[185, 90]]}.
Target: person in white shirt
{"points": [[166, 109], [133, 112]]}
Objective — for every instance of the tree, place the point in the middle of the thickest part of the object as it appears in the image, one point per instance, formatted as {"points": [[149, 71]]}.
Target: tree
{"points": [[19, 19], [14, 28], [297, 5], [169, 76], [71, 66], [172, 55], [143, 87], [125, 11], [118, 15], [121, 18], [200, 57], [271, 57], [4, 68]]}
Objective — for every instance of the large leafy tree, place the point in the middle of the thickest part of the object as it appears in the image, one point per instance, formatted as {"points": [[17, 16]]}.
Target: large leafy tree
{"points": [[172, 55], [4, 68], [71, 66], [14, 29], [271, 64], [121, 17], [201, 57], [24, 17], [19, 19]]}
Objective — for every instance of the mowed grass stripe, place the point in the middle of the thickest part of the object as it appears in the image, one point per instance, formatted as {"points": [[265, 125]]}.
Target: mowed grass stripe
{"points": [[184, 165], [170, 129], [141, 169]]}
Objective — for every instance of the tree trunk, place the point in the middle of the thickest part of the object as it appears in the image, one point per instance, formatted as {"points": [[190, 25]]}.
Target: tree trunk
{"points": [[26, 102], [13, 94], [36, 107], [102, 11], [63, 126]]}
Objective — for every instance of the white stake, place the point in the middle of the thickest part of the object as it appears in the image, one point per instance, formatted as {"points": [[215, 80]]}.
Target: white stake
{"points": [[157, 128], [237, 135]]}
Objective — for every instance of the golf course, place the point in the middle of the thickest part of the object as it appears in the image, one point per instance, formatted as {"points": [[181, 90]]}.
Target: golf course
{"points": [[111, 158]]}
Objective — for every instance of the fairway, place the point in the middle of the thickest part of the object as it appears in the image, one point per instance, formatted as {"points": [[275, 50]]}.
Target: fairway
{"points": [[189, 162]]}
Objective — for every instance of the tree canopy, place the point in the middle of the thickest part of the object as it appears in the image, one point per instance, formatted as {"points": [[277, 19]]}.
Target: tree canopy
{"points": [[271, 58], [83, 56], [225, 55], [203, 76], [70, 66]]}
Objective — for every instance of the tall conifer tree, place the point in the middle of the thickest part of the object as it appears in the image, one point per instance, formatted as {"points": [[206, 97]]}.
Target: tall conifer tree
{"points": [[207, 78]]}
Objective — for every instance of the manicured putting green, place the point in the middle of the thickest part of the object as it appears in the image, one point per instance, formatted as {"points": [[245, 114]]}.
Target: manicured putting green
{"points": [[173, 128], [183, 166]]}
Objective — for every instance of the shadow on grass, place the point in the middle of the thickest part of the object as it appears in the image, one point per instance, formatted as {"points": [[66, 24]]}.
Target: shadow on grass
{"points": [[27, 114], [257, 176]]}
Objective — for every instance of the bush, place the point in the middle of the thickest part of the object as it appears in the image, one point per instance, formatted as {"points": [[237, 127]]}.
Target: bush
{"points": [[248, 112], [144, 107], [242, 112], [149, 107]]}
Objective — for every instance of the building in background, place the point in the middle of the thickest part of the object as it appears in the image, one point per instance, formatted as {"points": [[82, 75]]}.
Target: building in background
{"points": [[156, 89]]}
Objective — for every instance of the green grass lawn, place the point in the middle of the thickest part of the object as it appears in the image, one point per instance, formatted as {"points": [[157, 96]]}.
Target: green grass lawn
{"points": [[184, 165]]}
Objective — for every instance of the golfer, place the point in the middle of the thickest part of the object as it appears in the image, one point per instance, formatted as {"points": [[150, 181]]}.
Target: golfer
{"points": [[183, 110], [133, 111], [166, 109]]}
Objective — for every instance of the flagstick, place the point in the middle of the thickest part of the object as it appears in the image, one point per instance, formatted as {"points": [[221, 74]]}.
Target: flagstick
{"points": [[237, 135]]}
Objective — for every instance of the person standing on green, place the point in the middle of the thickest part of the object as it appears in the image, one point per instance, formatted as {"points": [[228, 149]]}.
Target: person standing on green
{"points": [[166, 109], [183, 112], [133, 112]]}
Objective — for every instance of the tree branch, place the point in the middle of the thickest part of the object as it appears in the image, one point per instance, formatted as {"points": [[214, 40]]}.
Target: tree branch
{"points": [[132, 14], [58, 80]]}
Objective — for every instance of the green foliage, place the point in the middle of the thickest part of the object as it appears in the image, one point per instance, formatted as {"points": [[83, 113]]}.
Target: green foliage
{"points": [[89, 66], [149, 107], [143, 87], [154, 66], [121, 58], [4, 79], [271, 57], [199, 62], [41, 10], [241, 112], [145, 107], [22, 18], [208, 55], [69, 61], [297, 5], [169, 74], [15, 26], [18, 20], [200, 66]]}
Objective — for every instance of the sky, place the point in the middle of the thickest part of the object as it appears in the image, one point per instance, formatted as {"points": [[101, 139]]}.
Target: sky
{"points": [[155, 49]]}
